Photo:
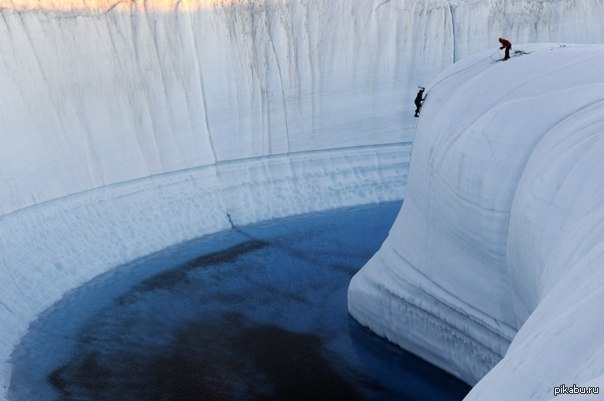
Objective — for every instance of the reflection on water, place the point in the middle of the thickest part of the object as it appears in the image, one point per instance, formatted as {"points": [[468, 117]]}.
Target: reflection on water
{"points": [[260, 315]]}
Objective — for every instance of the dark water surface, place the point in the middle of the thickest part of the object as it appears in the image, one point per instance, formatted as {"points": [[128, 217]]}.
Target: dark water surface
{"points": [[251, 314]]}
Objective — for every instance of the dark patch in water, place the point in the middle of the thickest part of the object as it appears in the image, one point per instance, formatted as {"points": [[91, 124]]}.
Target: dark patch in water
{"points": [[294, 365], [348, 270], [225, 256], [222, 359], [163, 281], [90, 374], [178, 275]]}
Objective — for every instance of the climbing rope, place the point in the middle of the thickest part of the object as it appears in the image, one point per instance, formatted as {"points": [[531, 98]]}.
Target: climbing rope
{"points": [[413, 140]]}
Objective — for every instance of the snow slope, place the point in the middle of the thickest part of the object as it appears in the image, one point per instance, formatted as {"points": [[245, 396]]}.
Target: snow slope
{"points": [[129, 126], [499, 241]]}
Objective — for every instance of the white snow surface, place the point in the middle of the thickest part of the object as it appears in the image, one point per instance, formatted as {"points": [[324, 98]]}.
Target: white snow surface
{"points": [[129, 126], [500, 239]]}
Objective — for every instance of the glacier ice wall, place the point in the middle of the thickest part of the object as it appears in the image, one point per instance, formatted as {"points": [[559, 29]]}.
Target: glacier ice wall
{"points": [[95, 93], [500, 237], [94, 98], [128, 126]]}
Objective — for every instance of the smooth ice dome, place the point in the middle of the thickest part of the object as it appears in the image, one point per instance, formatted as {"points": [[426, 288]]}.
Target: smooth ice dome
{"points": [[500, 239]]}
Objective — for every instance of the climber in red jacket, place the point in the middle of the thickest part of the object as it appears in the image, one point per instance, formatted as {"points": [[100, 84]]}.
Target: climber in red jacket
{"points": [[507, 45]]}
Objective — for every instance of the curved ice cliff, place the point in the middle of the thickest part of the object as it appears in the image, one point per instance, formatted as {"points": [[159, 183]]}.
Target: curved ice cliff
{"points": [[499, 242], [129, 126]]}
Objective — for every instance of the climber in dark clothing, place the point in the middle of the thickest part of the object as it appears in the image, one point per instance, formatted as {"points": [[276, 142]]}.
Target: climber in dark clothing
{"points": [[507, 45], [418, 100]]}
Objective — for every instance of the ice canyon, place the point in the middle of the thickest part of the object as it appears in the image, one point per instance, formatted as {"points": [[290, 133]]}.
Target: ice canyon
{"points": [[129, 126]]}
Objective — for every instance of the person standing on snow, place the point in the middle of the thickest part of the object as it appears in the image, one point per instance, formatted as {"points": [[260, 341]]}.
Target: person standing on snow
{"points": [[418, 100], [507, 45]]}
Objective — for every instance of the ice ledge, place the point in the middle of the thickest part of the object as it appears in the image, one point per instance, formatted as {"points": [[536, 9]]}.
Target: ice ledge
{"points": [[426, 318]]}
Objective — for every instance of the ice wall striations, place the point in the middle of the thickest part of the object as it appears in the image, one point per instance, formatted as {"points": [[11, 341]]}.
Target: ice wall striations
{"points": [[500, 237], [93, 97], [128, 126], [95, 93]]}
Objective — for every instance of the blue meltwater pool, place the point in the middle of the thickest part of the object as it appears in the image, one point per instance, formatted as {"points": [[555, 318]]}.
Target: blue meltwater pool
{"points": [[254, 313]]}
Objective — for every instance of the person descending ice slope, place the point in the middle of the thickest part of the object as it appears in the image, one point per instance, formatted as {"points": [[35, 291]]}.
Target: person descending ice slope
{"points": [[419, 100], [507, 45]]}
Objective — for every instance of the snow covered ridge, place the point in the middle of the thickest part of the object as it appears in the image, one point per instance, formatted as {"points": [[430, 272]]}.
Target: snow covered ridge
{"points": [[500, 240]]}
